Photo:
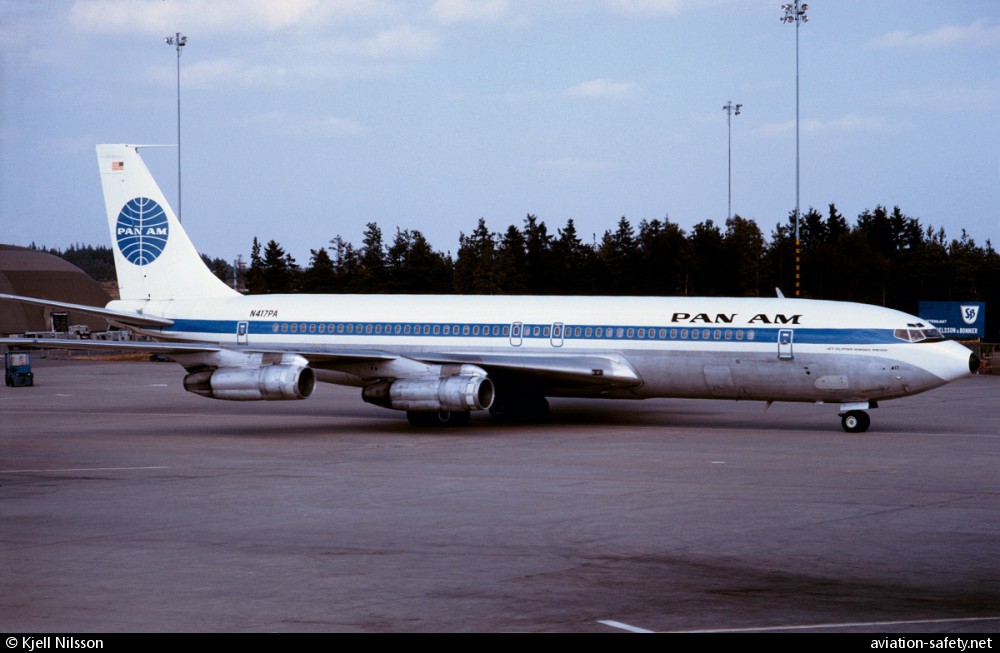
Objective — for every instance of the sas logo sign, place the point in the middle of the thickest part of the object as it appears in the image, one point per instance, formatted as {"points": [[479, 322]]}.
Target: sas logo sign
{"points": [[141, 231], [970, 314], [965, 320]]}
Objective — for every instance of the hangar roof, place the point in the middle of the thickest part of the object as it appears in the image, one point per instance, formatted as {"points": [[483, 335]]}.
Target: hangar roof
{"points": [[38, 274]]}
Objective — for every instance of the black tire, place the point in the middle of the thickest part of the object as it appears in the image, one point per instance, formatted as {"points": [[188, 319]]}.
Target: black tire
{"points": [[440, 418], [855, 421], [519, 408]]}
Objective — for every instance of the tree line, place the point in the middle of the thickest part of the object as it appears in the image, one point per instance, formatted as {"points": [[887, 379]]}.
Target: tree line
{"points": [[99, 261], [885, 258]]}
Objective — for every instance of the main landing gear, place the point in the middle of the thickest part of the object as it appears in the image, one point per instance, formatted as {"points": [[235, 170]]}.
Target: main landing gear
{"points": [[437, 418], [507, 407], [510, 407], [855, 421]]}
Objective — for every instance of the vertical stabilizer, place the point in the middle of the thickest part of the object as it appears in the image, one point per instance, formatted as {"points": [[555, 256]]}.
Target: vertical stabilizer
{"points": [[154, 257]]}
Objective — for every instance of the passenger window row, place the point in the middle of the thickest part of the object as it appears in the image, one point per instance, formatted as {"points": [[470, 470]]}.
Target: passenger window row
{"points": [[504, 331]]}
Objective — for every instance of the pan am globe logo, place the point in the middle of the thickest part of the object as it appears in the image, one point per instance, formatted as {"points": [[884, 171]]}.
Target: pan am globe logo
{"points": [[141, 231]]}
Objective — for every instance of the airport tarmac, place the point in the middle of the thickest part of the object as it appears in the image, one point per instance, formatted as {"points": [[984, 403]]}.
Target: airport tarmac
{"points": [[128, 504]]}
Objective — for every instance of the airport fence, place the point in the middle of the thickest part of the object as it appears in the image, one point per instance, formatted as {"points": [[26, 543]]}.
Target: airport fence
{"points": [[989, 356]]}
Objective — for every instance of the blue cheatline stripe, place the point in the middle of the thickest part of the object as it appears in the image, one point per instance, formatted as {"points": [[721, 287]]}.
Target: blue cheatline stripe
{"points": [[530, 332]]}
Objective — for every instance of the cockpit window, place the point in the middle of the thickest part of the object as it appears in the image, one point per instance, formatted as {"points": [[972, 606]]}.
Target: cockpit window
{"points": [[932, 334], [918, 335]]}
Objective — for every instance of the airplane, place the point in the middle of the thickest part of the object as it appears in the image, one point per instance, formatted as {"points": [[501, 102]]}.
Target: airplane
{"points": [[439, 358]]}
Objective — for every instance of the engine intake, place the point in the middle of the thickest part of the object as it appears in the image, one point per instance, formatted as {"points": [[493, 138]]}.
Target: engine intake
{"points": [[451, 393], [269, 383]]}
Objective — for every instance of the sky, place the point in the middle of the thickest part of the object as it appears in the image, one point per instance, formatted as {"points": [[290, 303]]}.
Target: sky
{"points": [[302, 120]]}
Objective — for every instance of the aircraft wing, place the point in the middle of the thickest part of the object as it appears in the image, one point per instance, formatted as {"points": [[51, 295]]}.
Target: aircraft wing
{"points": [[547, 369], [549, 372], [162, 348], [543, 372], [319, 359], [117, 318]]}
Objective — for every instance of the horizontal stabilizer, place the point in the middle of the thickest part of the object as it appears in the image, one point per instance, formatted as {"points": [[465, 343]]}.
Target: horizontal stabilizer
{"points": [[117, 318]]}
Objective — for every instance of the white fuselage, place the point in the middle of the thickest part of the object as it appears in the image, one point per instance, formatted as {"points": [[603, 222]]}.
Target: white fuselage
{"points": [[740, 348]]}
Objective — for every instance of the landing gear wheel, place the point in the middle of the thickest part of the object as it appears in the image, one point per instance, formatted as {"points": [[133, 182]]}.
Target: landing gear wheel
{"points": [[855, 421], [437, 418], [519, 408]]}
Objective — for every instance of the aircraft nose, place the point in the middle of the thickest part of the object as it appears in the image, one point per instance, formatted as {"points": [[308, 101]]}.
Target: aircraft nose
{"points": [[953, 362]]}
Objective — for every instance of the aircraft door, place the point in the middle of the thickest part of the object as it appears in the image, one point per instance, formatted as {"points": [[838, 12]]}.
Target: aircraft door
{"points": [[785, 338], [515, 334], [242, 328], [556, 339]]}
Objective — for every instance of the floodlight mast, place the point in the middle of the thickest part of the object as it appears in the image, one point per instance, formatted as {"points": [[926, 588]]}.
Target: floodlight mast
{"points": [[731, 110], [178, 40], [796, 13]]}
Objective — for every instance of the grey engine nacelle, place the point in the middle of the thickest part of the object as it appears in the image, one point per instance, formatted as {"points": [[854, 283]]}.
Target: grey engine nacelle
{"points": [[451, 393], [269, 382]]}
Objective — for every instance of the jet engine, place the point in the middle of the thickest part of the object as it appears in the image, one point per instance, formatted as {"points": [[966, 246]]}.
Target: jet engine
{"points": [[268, 382], [450, 393]]}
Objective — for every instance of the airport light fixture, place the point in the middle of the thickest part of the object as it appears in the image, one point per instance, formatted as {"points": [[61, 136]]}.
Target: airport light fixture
{"points": [[731, 110], [237, 268], [796, 13], [178, 40]]}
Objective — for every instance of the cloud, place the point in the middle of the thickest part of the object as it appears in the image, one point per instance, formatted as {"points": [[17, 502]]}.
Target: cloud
{"points": [[788, 127], [455, 11], [401, 41], [374, 56], [851, 123], [646, 7], [126, 16], [601, 89], [288, 125], [570, 167], [226, 73], [865, 124], [305, 62], [978, 34], [962, 98]]}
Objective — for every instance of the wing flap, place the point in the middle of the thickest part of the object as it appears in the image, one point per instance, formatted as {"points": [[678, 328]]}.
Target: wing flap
{"points": [[332, 360], [571, 370]]}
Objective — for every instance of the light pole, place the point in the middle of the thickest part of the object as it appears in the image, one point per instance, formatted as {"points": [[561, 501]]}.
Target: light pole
{"points": [[796, 13], [179, 41], [731, 110], [237, 268]]}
